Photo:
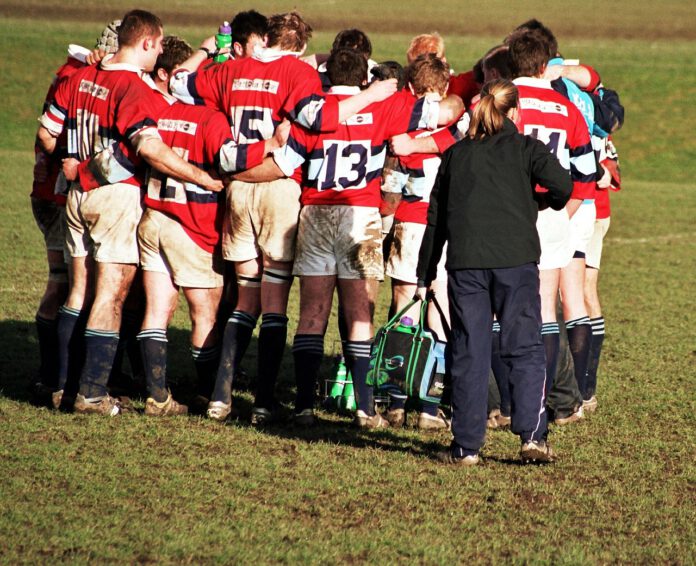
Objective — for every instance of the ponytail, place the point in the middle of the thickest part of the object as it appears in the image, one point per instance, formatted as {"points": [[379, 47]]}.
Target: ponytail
{"points": [[497, 98]]}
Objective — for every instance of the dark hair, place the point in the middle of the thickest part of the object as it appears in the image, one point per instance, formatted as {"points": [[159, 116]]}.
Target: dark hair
{"points": [[246, 24], [498, 58], [288, 31], [428, 73], [174, 52], [346, 67], [136, 25], [477, 69], [390, 70], [353, 39], [488, 117], [528, 53], [544, 32]]}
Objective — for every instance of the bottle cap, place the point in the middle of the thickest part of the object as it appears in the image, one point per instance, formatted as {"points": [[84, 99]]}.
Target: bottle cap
{"points": [[406, 321], [225, 28]]}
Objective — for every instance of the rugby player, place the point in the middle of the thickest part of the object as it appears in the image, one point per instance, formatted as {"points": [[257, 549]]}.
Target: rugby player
{"points": [[110, 106], [405, 193], [261, 220], [548, 116]]}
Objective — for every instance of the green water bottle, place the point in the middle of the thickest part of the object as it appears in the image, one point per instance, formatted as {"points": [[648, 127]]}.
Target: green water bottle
{"points": [[347, 400], [223, 39]]}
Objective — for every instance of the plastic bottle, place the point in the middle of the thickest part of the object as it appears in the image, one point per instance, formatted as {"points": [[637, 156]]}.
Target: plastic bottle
{"points": [[223, 39]]}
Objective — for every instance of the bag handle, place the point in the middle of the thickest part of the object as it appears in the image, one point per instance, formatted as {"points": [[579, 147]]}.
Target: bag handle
{"points": [[430, 296]]}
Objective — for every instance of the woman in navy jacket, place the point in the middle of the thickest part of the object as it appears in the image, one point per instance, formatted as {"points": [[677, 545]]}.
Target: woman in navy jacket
{"points": [[484, 204]]}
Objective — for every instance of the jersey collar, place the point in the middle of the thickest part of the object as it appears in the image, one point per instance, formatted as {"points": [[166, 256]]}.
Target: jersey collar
{"points": [[531, 81], [269, 54], [106, 65], [339, 89]]}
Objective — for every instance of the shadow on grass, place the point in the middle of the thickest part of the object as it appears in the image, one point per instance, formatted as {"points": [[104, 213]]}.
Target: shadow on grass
{"points": [[19, 368]]}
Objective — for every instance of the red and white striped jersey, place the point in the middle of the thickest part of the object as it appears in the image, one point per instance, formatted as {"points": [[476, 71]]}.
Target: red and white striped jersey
{"points": [[44, 187], [110, 107], [257, 92], [197, 135], [345, 167], [551, 118], [413, 177]]}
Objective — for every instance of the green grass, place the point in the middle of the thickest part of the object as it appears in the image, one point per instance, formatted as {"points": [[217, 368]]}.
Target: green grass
{"points": [[76, 489]]}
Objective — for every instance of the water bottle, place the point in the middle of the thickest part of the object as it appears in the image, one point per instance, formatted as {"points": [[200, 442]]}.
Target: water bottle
{"points": [[339, 377], [347, 400], [223, 39]]}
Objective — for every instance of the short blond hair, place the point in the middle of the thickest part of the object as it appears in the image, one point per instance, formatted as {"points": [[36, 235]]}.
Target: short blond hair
{"points": [[424, 44], [428, 73]]}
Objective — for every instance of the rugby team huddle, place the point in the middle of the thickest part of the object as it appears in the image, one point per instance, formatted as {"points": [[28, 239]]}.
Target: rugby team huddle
{"points": [[228, 173]]}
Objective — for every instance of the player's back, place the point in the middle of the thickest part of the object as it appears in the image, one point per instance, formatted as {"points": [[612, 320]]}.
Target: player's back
{"points": [[195, 133], [106, 107], [345, 166], [551, 118]]}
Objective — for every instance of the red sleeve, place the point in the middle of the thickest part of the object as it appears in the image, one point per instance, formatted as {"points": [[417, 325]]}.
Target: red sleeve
{"points": [[464, 86], [594, 78], [306, 103]]}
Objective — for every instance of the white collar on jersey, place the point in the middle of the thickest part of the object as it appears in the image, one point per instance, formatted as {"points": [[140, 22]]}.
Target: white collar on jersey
{"points": [[531, 81], [78, 52], [268, 54], [105, 65], [342, 89], [371, 64]]}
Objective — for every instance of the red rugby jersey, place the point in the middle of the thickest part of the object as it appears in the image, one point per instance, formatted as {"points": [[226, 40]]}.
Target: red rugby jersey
{"points": [[609, 158], [464, 85], [551, 118], [196, 134], [414, 178], [44, 186], [345, 167], [106, 107], [258, 92]]}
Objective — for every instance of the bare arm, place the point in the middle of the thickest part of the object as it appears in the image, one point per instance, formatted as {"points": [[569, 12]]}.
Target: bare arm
{"points": [[161, 157], [264, 173], [199, 55], [451, 108], [403, 144], [47, 141], [376, 92], [579, 74]]}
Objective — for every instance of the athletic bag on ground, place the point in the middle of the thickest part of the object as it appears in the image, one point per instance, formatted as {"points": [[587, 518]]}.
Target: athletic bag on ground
{"points": [[408, 358]]}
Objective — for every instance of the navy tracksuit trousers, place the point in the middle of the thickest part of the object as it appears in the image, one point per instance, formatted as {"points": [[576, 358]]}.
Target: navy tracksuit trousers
{"points": [[513, 294]]}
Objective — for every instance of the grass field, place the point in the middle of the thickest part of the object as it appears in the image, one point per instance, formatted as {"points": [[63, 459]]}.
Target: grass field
{"points": [[75, 489]]}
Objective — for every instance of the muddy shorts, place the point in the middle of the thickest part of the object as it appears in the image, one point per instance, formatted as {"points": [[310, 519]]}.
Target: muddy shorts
{"points": [[340, 240], [261, 219], [403, 255], [593, 256], [165, 247], [103, 222], [50, 218]]}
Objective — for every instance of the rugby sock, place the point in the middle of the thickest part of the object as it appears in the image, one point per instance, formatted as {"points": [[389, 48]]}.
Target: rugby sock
{"points": [[130, 325], [153, 348], [550, 334], [596, 342], [307, 350], [396, 400], [100, 350], [272, 335], [237, 335], [206, 362], [579, 338], [47, 331], [67, 321], [430, 408], [501, 371], [358, 364], [342, 329]]}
